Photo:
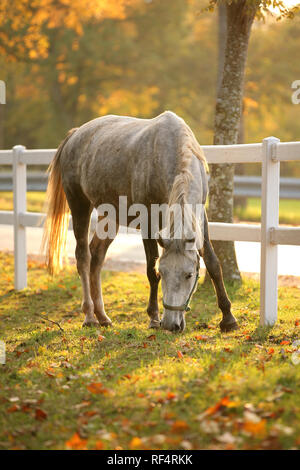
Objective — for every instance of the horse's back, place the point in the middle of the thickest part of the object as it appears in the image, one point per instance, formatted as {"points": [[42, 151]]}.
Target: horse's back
{"points": [[122, 155]]}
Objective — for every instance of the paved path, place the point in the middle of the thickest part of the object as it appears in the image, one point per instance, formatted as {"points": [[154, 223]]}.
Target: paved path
{"points": [[129, 248]]}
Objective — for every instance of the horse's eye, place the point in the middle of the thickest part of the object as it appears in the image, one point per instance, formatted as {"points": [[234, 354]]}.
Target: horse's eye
{"points": [[189, 275]]}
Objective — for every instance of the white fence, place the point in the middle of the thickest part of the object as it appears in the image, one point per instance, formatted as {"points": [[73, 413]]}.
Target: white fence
{"points": [[244, 186], [269, 153]]}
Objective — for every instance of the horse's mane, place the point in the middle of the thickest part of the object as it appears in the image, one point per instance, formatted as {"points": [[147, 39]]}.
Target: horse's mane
{"points": [[188, 146]]}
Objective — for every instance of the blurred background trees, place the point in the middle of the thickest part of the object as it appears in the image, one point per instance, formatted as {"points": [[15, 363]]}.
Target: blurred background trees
{"points": [[139, 58], [68, 61]]}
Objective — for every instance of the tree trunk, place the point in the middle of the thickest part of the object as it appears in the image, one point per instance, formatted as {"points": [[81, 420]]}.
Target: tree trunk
{"points": [[240, 17]]}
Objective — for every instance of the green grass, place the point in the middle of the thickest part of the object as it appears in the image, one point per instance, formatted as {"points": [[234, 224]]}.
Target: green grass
{"points": [[35, 201], [289, 210], [159, 390]]}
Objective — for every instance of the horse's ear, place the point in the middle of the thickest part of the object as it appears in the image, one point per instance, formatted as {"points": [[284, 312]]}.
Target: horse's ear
{"points": [[163, 242]]}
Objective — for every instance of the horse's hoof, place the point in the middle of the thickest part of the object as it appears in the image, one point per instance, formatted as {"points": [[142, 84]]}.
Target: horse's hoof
{"points": [[88, 323], [105, 323], [230, 325], [154, 324]]}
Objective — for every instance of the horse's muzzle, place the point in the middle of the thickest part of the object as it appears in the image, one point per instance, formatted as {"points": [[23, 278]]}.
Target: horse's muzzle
{"points": [[173, 321]]}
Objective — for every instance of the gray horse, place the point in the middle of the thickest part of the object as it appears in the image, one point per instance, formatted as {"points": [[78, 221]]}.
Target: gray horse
{"points": [[150, 161]]}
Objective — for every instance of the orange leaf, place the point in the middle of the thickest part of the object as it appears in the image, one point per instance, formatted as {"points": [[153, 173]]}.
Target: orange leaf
{"points": [[13, 408], [40, 415], [255, 428], [151, 337], [50, 373], [101, 338], [76, 443], [90, 413], [168, 415], [179, 354], [95, 387], [213, 409], [99, 445], [201, 338], [285, 342], [171, 396], [135, 443], [271, 351], [179, 426]]}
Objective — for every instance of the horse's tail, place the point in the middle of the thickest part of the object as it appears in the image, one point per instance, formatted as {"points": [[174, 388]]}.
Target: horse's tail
{"points": [[57, 220]]}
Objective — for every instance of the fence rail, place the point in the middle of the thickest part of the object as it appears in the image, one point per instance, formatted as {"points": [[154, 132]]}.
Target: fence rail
{"points": [[244, 186], [269, 153]]}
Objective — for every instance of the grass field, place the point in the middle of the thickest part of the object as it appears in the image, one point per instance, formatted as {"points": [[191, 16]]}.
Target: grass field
{"points": [[131, 388], [289, 210]]}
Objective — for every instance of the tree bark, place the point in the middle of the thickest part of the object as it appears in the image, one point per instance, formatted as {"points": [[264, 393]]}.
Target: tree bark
{"points": [[240, 16]]}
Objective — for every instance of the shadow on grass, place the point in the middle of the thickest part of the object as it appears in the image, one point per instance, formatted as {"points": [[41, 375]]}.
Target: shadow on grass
{"points": [[126, 350]]}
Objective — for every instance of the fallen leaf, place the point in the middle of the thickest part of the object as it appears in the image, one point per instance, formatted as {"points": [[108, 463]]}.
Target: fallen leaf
{"points": [[99, 445], [187, 445], [151, 337], [90, 413], [40, 414], [201, 338], [14, 399], [13, 408], [179, 426], [171, 396], [255, 428], [95, 387], [50, 373], [209, 427], [224, 402], [227, 438], [76, 443], [82, 404], [135, 443]]}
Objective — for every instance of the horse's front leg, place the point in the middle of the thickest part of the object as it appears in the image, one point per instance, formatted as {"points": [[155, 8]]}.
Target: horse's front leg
{"points": [[98, 249], [151, 250], [213, 266]]}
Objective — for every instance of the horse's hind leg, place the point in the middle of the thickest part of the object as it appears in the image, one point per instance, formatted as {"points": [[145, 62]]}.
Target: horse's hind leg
{"points": [[212, 264], [81, 209], [98, 249], [152, 255]]}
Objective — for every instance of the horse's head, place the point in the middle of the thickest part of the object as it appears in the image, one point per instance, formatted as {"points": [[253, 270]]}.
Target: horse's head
{"points": [[179, 270]]}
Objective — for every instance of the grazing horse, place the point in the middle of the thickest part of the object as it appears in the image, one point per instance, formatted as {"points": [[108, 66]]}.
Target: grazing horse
{"points": [[150, 161]]}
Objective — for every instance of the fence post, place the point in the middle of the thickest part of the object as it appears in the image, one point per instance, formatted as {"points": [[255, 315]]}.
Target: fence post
{"points": [[19, 192], [269, 219]]}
